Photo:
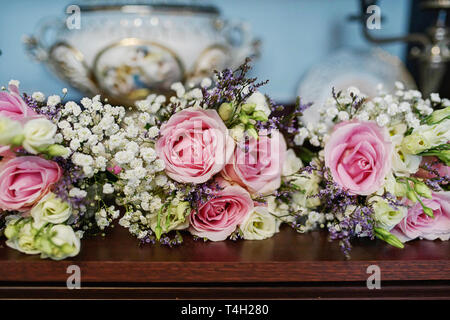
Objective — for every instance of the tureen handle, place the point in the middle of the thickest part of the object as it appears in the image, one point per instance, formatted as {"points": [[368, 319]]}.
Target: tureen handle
{"points": [[242, 42], [36, 46]]}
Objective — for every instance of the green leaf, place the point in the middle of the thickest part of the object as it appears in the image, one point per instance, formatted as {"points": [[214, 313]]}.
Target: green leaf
{"points": [[388, 237], [306, 155]]}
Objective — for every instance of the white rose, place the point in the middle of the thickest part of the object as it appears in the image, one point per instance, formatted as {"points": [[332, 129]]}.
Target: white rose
{"points": [[259, 224], [50, 209], [9, 129], [260, 102], [291, 164], [39, 134]]}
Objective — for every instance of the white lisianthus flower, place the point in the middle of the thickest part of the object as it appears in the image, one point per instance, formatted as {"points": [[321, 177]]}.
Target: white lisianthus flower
{"points": [[259, 224], [173, 218], [10, 130], [39, 134], [237, 132], [425, 137], [309, 187], [405, 164], [50, 209], [260, 102], [391, 185], [291, 164], [280, 210], [386, 216], [59, 242], [20, 234]]}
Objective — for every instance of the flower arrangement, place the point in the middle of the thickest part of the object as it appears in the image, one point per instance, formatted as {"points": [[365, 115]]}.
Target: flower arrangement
{"points": [[383, 165], [213, 160], [221, 161]]}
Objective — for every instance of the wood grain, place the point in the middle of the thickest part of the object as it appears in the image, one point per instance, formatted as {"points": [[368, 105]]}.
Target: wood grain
{"points": [[287, 257], [410, 290]]}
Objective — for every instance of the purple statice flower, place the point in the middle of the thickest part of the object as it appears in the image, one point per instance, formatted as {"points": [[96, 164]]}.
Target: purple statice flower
{"points": [[438, 181], [231, 86], [51, 113], [236, 235], [358, 224], [286, 119], [334, 198], [202, 193], [72, 175], [355, 104], [338, 201], [392, 200], [165, 239]]}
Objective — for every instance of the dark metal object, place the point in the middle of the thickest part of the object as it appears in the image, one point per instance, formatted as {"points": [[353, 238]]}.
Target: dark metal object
{"points": [[431, 48]]}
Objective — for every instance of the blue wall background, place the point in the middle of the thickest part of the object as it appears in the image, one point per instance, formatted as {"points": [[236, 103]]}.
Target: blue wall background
{"points": [[295, 35]]}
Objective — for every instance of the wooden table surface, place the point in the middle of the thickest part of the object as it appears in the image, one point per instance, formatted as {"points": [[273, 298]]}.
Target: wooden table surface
{"points": [[287, 265]]}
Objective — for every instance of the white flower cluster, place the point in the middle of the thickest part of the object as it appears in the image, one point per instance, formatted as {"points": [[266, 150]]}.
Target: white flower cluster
{"points": [[387, 110], [154, 106], [105, 216], [91, 132], [88, 130], [303, 201], [142, 177]]}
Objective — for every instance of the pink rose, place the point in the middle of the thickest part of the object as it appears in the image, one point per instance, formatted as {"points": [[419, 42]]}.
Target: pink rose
{"points": [[217, 218], [194, 145], [25, 180], [359, 156], [417, 224], [257, 164], [12, 105]]}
